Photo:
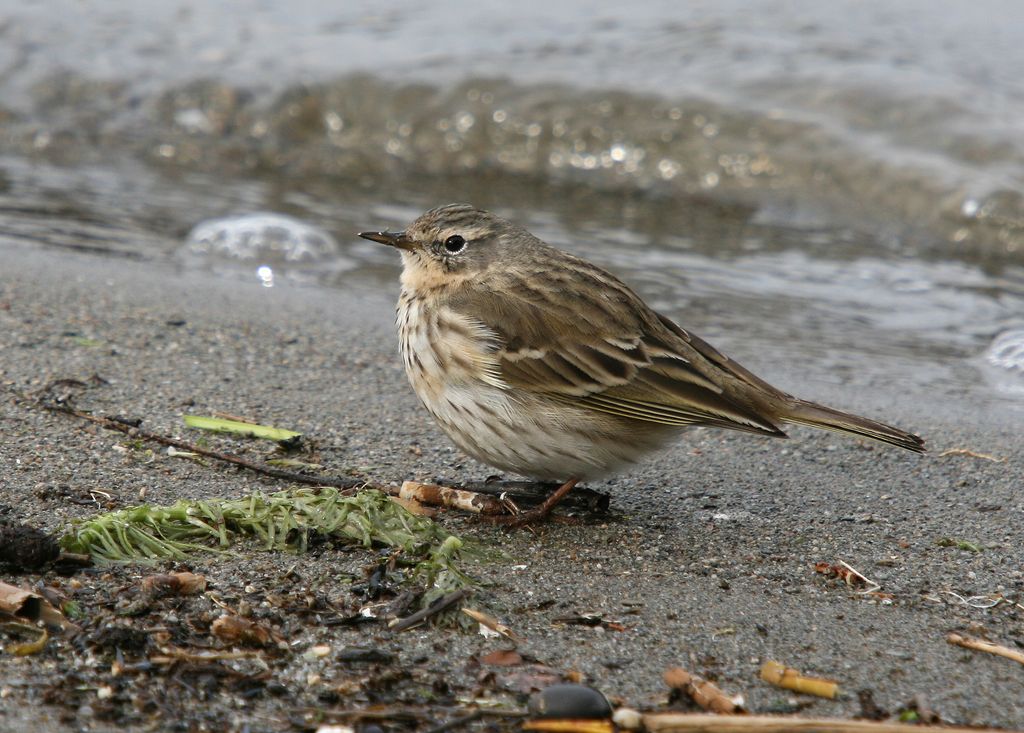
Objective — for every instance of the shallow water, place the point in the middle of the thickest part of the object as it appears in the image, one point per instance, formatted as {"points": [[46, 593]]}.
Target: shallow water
{"points": [[838, 184]]}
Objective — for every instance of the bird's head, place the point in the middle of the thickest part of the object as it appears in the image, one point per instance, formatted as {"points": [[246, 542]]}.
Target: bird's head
{"points": [[457, 241]]}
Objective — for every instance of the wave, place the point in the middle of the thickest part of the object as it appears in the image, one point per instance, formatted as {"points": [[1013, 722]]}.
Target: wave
{"points": [[951, 195]]}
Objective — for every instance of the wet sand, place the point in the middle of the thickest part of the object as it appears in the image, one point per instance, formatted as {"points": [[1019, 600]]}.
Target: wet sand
{"points": [[706, 560]]}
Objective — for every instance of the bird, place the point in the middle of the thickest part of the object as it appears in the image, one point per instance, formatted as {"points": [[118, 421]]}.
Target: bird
{"points": [[540, 363]]}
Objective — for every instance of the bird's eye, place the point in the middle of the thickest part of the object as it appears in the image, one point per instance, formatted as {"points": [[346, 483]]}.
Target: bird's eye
{"points": [[455, 243]]}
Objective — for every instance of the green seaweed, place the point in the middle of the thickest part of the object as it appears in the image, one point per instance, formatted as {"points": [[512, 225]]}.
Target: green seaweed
{"points": [[959, 544], [236, 427], [282, 521]]}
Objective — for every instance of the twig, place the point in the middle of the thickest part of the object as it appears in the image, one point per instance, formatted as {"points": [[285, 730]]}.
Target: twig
{"points": [[473, 501], [29, 605], [74, 558], [973, 600], [872, 585], [477, 499], [570, 725], [704, 723], [135, 432], [969, 642], [790, 679], [493, 624], [532, 493], [706, 694], [412, 715], [172, 655], [456, 722], [436, 495], [970, 454], [441, 604]]}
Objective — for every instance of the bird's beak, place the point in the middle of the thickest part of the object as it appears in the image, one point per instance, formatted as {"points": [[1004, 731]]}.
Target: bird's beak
{"points": [[394, 239]]}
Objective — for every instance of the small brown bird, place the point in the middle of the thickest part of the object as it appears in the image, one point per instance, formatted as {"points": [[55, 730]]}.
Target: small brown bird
{"points": [[537, 362]]}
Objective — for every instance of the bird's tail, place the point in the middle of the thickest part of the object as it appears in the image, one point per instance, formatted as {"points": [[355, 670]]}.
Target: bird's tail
{"points": [[819, 416]]}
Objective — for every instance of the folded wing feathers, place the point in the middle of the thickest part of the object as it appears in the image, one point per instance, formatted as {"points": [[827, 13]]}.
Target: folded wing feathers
{"points": [[652, 370], [614, 376]]}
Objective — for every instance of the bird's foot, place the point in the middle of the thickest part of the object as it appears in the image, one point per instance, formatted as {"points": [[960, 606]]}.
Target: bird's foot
{"points": [[539, 514]]}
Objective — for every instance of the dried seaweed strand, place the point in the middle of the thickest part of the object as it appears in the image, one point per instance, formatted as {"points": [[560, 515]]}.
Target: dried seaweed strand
{"points": [[280, 521]]}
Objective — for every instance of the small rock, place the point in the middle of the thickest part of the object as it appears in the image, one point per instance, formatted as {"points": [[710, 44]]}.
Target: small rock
{"points": [[570, 701]]}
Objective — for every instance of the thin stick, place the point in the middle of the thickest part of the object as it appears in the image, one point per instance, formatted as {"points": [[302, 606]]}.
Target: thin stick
{"points": [[970, 454], [414, 715], [704, 723], [171, 655], [493, 624], [441, 604], [872, 585], [134, 432], [435, 495], [706, 694], [456, 723], [467, 500], [73, 558], [790, 679], [534, 515], [969, 642], [477, 499], [533, 493]]}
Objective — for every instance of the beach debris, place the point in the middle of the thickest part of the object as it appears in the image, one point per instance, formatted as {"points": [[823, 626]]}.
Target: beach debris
{"points": [[790, 679], [849, 575], [174, 584], [869, 709], [975, 601], [414, 507], [570, 708], [704, 693], [533, 493], [570, 726], [284, 520], [26, 648], [170, 655], [959, 544], [27, 605], [294, 463], [502, 658], [970, 454], [437, 495], [628, 719], [173, 452], [590, 619], [530, 678], [489, 622], [317, 651], [154, 587], [26, 548], [244, 429], [132, 429], [486, 500], [438, 606], [970, 642], [232, 629], [918, 711], [365, 655]]}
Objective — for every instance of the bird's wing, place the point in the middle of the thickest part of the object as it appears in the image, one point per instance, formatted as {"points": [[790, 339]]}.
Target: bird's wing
{"points": [[607, 351]]}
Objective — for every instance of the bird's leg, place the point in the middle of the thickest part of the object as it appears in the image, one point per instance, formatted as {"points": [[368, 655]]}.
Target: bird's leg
{"points": [[535, 515]]}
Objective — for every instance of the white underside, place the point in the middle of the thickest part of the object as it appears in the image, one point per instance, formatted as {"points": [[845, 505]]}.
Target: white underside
{"points": [[513, 431]]}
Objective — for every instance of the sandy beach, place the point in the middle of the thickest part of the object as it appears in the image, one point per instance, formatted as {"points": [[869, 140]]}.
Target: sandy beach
{"points": [[706, 559]]}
